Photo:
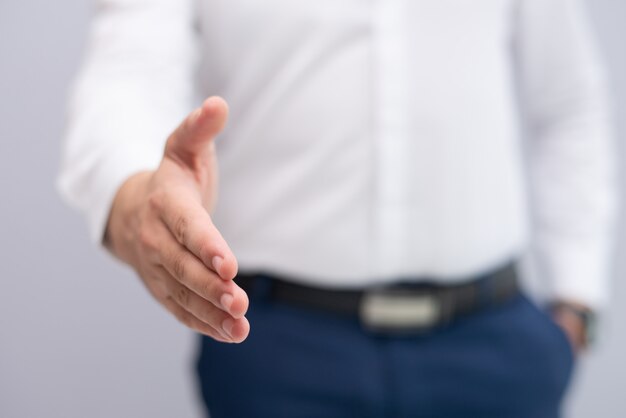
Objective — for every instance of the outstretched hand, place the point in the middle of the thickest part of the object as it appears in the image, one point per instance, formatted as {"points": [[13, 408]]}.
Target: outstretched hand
{"points": [[160, 225]]}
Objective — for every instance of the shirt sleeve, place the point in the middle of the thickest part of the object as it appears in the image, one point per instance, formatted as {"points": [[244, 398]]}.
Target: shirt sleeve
{"points": [[135, 85], [569, 147]]}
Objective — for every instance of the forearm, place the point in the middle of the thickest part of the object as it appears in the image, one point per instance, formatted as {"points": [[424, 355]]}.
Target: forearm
{"points": [[570, 156], [133, 88]]}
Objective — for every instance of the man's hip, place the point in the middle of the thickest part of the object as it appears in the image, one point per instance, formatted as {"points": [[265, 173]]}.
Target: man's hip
{"points": [[506, 360]]}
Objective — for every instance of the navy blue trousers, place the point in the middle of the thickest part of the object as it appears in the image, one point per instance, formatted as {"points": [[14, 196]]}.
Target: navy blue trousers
{"points": [[511, 361]]}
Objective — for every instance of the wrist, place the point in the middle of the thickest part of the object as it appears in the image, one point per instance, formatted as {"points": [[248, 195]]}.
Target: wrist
{"points": [[123, 216], [578, 320]]}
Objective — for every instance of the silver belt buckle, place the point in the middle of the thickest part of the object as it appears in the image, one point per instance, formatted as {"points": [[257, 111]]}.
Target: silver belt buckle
{"points": [[399, 310]]}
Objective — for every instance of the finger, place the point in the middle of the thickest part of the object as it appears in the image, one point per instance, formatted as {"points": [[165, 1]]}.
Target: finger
{"points": [[194, 135], [235, 329], [193, 274], [190, 321], [191, 225]]}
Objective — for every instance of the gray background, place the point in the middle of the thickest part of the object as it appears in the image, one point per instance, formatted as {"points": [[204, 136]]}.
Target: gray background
{"points": [[79, 336]]}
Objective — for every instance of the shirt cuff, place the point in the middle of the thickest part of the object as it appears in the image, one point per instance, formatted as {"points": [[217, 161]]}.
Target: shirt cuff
{"points": [[576, 271]]}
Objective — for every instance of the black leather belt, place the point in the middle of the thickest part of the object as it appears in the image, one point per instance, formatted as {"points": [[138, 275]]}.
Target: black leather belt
{"points": [[404, 307]]}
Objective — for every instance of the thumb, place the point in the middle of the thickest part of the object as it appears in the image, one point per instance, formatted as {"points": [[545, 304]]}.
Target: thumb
{"points": [[193, 138]]}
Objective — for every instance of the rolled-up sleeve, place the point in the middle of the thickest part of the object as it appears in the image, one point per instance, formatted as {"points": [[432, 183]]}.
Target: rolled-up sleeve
{"points": [[134, 87], [570, 156]]}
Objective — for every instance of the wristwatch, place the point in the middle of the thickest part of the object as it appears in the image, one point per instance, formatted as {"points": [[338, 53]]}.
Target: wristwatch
{"points": [[587, 317]]}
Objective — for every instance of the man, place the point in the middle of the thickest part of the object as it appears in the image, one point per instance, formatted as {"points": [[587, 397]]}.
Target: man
{"points": [[372, 195]]}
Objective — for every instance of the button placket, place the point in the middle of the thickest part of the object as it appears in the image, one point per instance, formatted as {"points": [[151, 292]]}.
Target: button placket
{"points": [[392, 148]]}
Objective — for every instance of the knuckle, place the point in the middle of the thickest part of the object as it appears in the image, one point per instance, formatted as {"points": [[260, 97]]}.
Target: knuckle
{"points": [[157, 288], [182, 296], [205, 251], [179, 266], [209, 315], [171, 141], [209, 289], [155, 201], [181, 224], [146, 238]]}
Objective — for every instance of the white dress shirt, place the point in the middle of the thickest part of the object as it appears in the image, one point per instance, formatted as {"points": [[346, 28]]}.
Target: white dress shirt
{"points": [[368, 140]]}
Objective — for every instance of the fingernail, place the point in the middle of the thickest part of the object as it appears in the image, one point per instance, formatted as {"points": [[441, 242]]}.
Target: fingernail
{"points": [[227, 301], [217, 263], [227, 326]]}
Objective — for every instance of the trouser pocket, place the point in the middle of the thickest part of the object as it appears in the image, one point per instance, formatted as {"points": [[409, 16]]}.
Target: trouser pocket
{"points": [[551, 340]]}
